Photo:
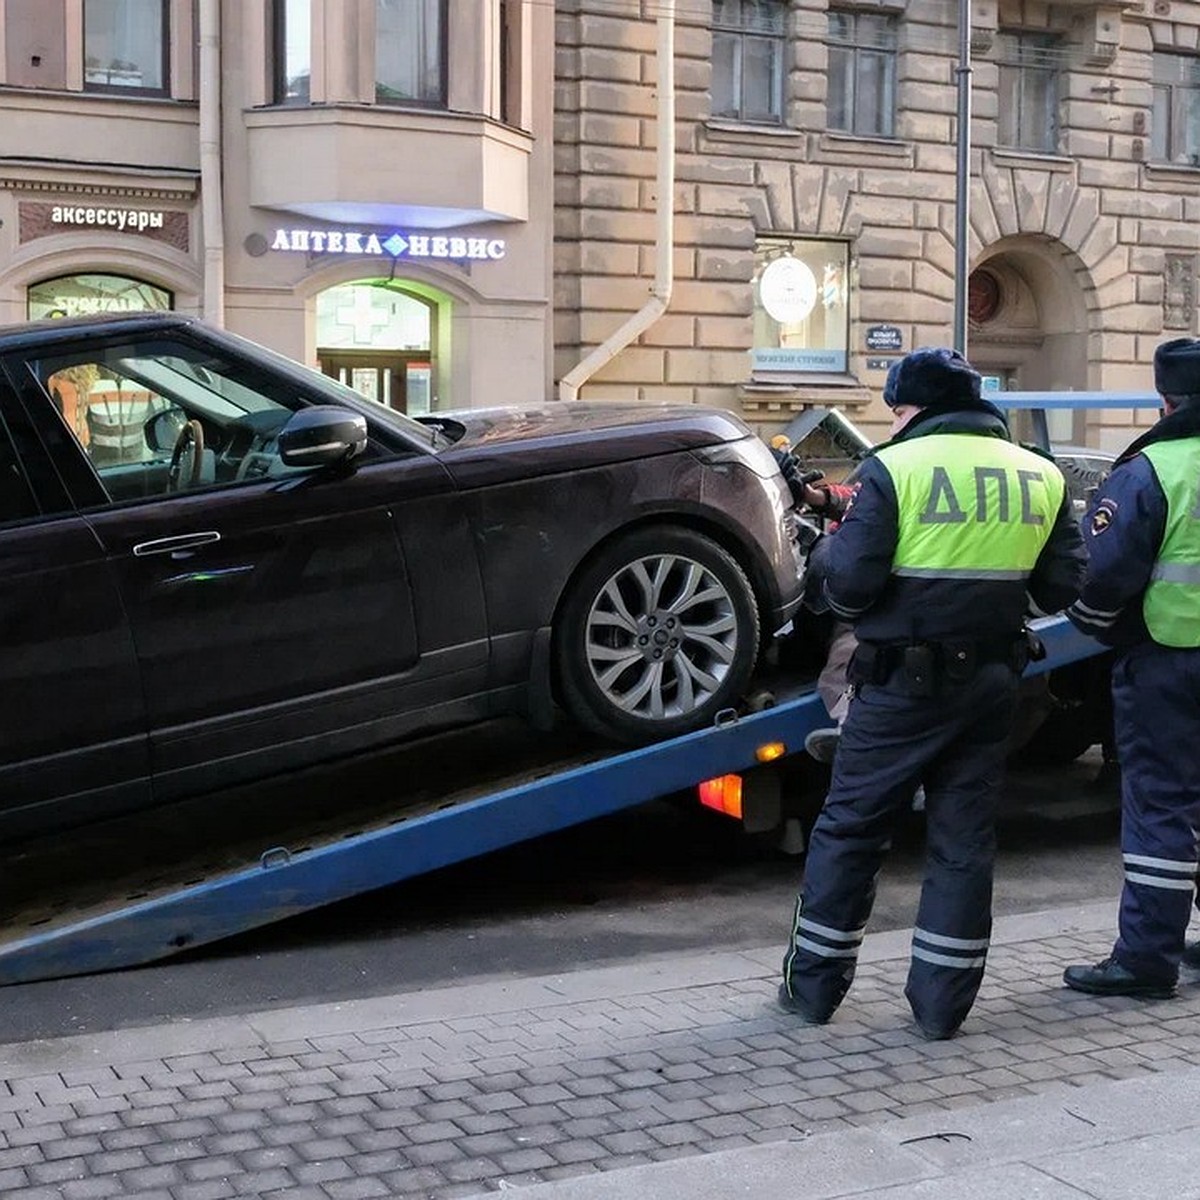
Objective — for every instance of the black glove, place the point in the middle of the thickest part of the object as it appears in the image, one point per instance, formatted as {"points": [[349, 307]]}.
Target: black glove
{"points": [[794, 473], [789, 464]]}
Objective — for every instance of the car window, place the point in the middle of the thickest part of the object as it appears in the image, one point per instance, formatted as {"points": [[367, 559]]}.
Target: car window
{"points": [[17, 501], [160, 416]]}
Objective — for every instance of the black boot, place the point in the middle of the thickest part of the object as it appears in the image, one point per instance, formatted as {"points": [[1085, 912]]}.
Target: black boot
{"points": [[795, 1006], [1109, 978], [937, 1031], [1191, 956]]}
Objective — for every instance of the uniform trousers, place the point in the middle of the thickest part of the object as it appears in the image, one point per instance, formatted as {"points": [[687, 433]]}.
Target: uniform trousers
{"points": [[953, 742], [1156, 709]]}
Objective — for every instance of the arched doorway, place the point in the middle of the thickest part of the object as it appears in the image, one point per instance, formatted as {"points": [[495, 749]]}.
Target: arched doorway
{"points": [[383, 338], [1029, 323]]}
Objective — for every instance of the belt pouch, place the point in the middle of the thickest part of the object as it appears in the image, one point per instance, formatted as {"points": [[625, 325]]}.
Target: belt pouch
{"points": [[917, 667]]}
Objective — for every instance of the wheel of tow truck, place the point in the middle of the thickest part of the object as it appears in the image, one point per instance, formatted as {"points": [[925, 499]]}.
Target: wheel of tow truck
{"points": [[658, 633]]}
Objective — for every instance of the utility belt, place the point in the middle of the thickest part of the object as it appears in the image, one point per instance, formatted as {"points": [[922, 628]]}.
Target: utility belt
{"points": [[923, 666]]}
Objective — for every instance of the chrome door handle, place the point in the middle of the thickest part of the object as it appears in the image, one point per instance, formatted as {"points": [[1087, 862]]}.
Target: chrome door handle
{"points": [[170, 545]]}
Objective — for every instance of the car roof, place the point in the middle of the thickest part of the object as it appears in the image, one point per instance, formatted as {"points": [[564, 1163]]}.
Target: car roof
{"points": [[59, 329], [1083, 451]]}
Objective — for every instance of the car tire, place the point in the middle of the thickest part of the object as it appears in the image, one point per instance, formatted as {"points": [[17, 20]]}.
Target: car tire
{"points": [[657, 634]]}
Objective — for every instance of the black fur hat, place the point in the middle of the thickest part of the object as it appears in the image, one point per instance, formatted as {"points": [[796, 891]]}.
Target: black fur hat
{"points": [[1177, 367], [933, 377]]}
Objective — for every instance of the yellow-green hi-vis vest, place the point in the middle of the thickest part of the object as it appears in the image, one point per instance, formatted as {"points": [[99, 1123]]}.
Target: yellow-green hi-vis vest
{"points": [[971, 507], [1171, 607]]}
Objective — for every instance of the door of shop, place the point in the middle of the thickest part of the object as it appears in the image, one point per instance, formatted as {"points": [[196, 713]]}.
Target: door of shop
{"points": [[403, 380]]}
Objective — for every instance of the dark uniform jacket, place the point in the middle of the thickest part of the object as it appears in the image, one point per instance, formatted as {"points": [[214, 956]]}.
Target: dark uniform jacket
{"points": [[1123, 531], [854, 565]]}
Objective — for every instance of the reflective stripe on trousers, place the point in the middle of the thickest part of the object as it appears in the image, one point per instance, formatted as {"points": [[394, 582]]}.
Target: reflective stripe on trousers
{"points": [[1170, 874], [941, 951]]}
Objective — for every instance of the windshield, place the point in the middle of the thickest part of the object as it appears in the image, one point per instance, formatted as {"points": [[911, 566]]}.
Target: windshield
{"points": [[195, 386]]}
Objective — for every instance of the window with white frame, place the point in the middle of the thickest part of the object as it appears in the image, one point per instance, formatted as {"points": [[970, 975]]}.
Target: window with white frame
{"points": [[801, 307], [861, 95], [125, 46], [1175, 121], [410, 52], [747, 60], [1029, 81]]}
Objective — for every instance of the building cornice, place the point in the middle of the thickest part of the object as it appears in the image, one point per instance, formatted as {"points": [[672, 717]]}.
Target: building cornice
{"points": [[97, 179]]}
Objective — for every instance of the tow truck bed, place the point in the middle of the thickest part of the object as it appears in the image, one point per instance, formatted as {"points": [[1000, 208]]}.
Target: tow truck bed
{"points": [[135, 891]]}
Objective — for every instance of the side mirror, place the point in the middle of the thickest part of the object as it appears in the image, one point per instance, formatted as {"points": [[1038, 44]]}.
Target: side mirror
{"points": [[322, 436], [162, 430]]}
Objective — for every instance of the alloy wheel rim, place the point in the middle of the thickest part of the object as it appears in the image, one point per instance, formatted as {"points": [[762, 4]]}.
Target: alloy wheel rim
{"points": [[661, 636]]}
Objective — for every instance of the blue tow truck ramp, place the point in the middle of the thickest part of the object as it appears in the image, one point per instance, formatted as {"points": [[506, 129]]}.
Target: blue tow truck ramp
{"points": [[292, 871]]}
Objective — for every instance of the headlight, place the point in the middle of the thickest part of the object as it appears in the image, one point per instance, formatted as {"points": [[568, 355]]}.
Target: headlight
{"points": [[749, 452]]}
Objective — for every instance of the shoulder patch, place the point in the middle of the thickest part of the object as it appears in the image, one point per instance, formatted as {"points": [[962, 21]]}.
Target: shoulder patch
{"points": [[1103, 516]]}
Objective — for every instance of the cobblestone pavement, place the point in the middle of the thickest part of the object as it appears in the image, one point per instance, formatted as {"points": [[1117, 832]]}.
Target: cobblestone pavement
{"points": [[455, 1093]]}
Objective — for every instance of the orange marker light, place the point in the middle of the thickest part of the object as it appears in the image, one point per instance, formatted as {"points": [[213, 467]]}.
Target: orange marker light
{"points": [[724, 794], [770, 751]]}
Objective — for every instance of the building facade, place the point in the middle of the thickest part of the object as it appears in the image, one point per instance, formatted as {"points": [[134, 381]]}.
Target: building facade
{"points": [[371, 191], [452, 202], [815, 196]]}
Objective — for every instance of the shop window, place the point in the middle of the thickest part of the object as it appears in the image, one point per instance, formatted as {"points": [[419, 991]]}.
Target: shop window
{"points": [[801, 307], [747, 63], [380, 340], [88, 295], [410, 52], [125, 46], [1029, 91], [1175, 123], [862, 73], [293, 51]]}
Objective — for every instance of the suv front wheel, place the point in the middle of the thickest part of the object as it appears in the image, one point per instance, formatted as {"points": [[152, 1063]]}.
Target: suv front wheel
{"points": [[657, 634]]}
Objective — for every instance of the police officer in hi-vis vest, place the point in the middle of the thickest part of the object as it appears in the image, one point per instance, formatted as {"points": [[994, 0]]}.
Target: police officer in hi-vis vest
{"points": [[1142, 595], [953, 528]]}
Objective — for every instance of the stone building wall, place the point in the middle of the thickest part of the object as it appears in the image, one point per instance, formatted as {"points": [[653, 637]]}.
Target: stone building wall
{"points": [[1094, 248]]}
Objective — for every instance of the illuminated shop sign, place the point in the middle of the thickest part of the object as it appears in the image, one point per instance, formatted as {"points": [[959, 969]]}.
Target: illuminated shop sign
{"points": [[39, 219], [134, 219], [395, 245]]}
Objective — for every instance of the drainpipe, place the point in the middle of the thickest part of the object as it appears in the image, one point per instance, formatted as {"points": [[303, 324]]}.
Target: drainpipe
{"points": [[211, 214], [660, 292]]}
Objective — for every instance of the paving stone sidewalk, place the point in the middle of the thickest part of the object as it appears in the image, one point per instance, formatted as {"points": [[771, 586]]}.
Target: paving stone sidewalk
{"points": [[456, 1092]]}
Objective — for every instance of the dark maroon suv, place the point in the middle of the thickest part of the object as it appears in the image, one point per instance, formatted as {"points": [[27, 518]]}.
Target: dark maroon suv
{"points": [[217, 565]]}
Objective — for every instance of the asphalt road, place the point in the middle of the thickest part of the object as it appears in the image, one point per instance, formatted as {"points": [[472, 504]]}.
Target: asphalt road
{"points": [[652, 881]]}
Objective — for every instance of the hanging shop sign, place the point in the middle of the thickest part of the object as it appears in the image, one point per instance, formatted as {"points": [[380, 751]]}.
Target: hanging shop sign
{"points": [[788, 290], [392, 245], [37, 219]]}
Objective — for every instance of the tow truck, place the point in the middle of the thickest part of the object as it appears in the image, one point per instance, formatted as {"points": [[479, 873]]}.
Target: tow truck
{"points": [[61, 916]]}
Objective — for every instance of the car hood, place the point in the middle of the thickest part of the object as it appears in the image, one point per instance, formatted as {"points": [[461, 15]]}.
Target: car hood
{"points": [[681, 424], [492, 446]]}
